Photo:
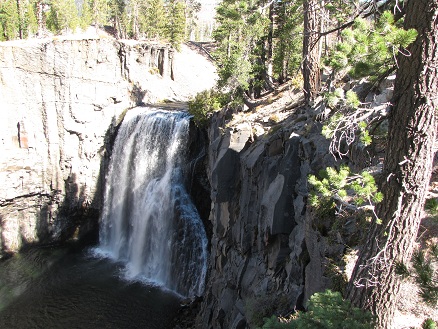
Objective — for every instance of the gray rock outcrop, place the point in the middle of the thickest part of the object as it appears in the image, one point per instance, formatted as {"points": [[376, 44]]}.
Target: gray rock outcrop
{"points": [[61, 101], [270, 251], [258, 252]]}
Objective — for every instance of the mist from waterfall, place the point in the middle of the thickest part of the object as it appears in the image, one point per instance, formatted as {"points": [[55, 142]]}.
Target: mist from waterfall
{"points": [[148, 221]]}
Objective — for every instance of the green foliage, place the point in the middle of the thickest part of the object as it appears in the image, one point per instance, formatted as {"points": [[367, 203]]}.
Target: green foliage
{"points": [[402, 270], [338, 98], [326, 310], [370, 50], [175, 23], [288, 41], [431, 207], [63, 16], [425, 277], [351, 99], [155, 19], [429, 324], [342, 186], [274, 323], [205, 103], [30, 24], [364, 135], [135, 18], [118, 15], [9, 20], [192, 9], [423, 273], [238, 35], [86, 16], [344, 125], [259, 307], [340, 11], [329, 129], [100, 10], [434, 251], [335, 97]]}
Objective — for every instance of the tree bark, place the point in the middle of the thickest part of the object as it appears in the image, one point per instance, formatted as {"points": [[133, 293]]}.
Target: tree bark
{"points": [[39, 15], [311, 50], [269, 46], [135, 18], [407, 169], [20, 19]]}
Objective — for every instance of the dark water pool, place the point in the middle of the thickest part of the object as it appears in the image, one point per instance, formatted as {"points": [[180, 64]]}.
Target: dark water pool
{"points": [[68, 288]]}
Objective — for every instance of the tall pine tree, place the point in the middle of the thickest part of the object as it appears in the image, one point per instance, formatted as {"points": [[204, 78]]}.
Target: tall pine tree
{"points": [[287, 39], [311, 49], [155, 19], [63, 16], [175, 23], [407, 169], [239, 35], [9, 20]]}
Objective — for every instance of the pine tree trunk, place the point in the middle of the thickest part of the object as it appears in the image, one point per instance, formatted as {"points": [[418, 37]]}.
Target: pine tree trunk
{"points": [[407, 169], [135, 27], [311, 52], [96, 14], [229, 45], [269, 46], [20, 19], [39, 16]]}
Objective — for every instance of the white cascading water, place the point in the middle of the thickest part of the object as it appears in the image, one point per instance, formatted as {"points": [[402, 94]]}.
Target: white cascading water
{"points": [[148, 219]]}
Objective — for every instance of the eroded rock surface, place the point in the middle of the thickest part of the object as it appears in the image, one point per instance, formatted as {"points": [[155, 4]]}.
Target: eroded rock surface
{"points": [[270, 251], [61, 101], [258, 252]]}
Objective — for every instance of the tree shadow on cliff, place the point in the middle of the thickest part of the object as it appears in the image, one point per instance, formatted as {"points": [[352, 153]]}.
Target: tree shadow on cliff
{"points": [[74, 216], [138, 94], [197, 181], [3, 253], [73, 219], [79, 212]]}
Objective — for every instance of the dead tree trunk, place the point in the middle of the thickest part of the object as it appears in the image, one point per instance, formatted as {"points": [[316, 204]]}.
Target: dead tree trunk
{"points": [[407, 169], [311, 52]]}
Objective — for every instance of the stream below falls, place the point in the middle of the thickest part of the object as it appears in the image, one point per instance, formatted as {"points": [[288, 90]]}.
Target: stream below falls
{"points": [[152, 243], [65, 287]]}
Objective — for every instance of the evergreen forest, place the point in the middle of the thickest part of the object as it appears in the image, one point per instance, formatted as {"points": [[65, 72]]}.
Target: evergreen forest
{"points": [[317, 47], [335, 53], [170, 21]]}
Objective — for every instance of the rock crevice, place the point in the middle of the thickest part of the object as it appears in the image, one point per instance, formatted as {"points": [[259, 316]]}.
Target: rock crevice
{"points": [[258, 253]]}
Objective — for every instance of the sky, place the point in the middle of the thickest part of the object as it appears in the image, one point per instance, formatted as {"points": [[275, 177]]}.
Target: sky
{"points": [[208, 9]]}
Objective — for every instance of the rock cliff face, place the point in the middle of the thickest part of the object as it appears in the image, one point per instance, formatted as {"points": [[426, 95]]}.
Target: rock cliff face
{"points": [[258, 248], [269, 251], [61, 101]]}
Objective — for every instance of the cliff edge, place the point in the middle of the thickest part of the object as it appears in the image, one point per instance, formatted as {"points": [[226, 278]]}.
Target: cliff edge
{"points": [[61, 101]]}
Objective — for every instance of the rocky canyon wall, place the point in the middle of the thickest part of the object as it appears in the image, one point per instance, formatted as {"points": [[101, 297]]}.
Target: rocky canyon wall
{"points": [[270, 251], [258, 249], [60, 102]]}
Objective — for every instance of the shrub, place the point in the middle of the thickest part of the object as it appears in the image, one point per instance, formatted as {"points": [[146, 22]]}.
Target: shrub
{"points": [[258, 307], [428, 324], [326, 310], [203, 105], [209, 101], [431, 207], [424, 273]]}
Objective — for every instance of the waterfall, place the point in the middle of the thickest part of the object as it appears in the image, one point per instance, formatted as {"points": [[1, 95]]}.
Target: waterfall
{"points": [[148, 221]]}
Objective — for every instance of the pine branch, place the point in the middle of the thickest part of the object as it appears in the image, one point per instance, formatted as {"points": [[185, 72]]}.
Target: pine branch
{"points": [[364, 13]]}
